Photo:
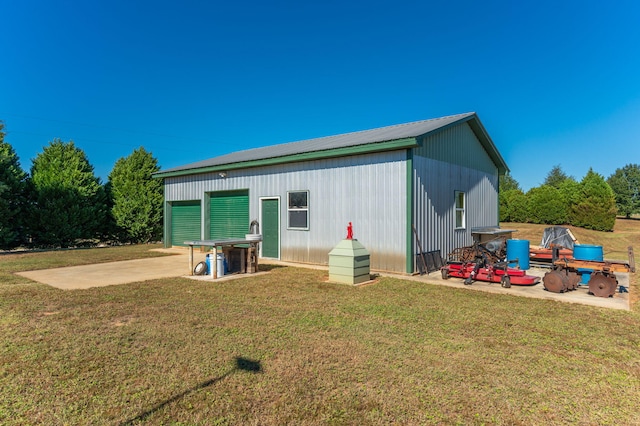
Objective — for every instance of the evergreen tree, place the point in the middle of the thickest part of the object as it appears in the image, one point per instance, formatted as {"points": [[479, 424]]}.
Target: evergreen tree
{"points": [[625, 183], [507, 183], [546, 204], [69, 200], [595, 205], [570, 191], [513, 206], [555, 177], [12, 195], [137, 197]]}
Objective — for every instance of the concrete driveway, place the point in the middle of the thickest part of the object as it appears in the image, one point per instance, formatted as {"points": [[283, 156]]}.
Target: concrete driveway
{"points": [[104, 274]]}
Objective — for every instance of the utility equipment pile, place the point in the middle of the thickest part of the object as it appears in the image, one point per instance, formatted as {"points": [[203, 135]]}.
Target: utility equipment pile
{"points": [[486, 262]]}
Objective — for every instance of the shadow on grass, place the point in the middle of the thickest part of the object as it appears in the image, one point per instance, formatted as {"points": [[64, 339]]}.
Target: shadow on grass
{"points": [[628, 218], [242, 364], [266, 267]]}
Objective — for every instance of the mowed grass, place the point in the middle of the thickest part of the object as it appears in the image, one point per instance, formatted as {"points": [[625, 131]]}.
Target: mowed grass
{"points": [[290, 348]]}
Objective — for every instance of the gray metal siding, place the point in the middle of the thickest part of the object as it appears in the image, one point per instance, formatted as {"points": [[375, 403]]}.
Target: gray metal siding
{"points": [[435, 183], [457, 145], [368, 190], [448, 161]]}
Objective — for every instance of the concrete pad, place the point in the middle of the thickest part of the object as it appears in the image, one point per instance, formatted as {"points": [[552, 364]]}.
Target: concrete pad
{"points": [[580, 296], [112, 273]]}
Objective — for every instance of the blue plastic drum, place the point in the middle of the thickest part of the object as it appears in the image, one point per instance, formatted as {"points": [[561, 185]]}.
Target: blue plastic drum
{"points": [[588, 252], [518, 250], [585, 275]]}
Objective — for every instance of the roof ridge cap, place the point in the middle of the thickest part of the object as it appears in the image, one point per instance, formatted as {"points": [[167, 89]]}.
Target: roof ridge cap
{"points": [[382, 127]]}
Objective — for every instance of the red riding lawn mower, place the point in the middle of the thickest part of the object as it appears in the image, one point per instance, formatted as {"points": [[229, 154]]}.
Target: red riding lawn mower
{"points": [[485, 262]]}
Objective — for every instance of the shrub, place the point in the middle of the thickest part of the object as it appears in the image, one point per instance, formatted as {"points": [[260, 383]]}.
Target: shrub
{"points": [[513, 206], [546, 205]]}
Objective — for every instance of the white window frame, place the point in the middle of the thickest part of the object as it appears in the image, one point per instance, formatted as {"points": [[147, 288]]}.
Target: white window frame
{"points": [[460, 209], [297, 209]]}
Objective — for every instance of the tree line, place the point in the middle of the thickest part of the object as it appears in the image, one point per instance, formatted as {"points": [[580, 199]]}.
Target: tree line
{"points": [[61, 203], [592, 203]]}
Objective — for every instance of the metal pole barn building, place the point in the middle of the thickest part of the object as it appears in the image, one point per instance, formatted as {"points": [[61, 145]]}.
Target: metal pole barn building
{"points": [[439, 176]]}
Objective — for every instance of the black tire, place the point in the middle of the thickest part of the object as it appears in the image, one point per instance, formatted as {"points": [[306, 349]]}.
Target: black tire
{"points": [[505, 281], [200, 269], [445, 273]]}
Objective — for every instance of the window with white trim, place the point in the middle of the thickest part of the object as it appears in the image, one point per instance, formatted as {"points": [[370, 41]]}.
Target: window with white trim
{"points": [[298, 210], [460, 209]]}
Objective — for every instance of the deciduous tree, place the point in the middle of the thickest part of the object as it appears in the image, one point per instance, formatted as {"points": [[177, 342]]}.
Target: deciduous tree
{"points": [[625, 183]]}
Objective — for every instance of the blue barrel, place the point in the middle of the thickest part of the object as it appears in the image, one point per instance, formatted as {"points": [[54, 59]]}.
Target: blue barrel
{"points": [[208, 262], [588, 252], [518, 250], [220, 264], [585, 275]]}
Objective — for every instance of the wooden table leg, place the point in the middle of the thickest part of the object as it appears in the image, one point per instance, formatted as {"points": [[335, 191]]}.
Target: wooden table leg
{"points": [[256, 255], [190, 260]]}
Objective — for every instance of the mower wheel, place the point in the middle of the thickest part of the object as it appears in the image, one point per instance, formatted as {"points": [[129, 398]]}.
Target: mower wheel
{"points": [[445, 273], [505, 281]]}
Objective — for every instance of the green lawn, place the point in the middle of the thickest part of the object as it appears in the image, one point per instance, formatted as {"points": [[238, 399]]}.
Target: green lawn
{"points": [[289, 348]]}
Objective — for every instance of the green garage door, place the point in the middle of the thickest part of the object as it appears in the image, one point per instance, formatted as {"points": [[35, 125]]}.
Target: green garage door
{"points": [[229, 213], [185, 222]]}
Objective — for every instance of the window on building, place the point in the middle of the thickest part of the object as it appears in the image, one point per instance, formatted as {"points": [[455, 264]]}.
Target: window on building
{"points": [[298, 209], [460, 210]]}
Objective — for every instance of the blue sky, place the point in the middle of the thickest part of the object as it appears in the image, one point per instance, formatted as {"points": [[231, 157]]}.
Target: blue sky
{"points": [[554, 82]]}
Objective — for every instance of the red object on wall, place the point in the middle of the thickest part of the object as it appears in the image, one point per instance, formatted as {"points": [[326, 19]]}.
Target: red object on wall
{"points": [[350, 231]]}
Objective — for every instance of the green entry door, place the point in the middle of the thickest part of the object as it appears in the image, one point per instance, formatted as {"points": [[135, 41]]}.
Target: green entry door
{"points": [[229, 214], [185, 222], [270, 228]]}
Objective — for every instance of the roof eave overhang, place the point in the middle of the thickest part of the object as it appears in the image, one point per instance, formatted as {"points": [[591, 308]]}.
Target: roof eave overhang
{"points": [[393, 145]]}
